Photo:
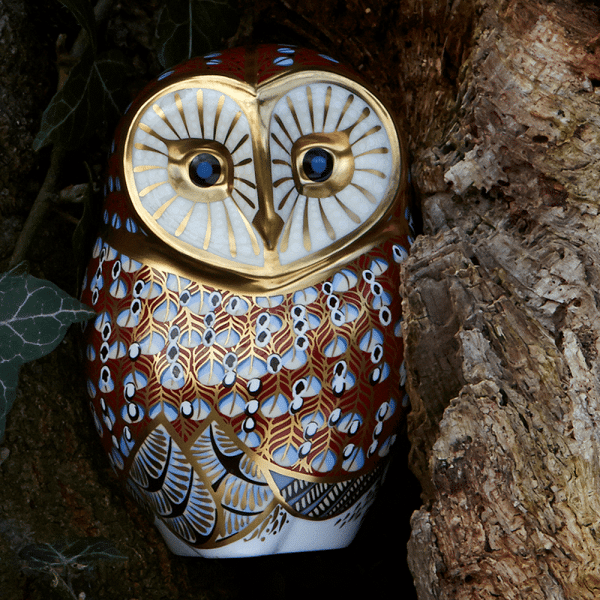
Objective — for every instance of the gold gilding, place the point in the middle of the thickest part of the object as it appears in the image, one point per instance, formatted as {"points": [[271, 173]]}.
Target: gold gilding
{"points": [[337, 143], [181, 154], [257, 104], [267, 222]]}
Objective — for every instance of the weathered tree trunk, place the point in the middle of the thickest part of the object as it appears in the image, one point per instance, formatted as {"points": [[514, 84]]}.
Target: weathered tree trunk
{"points": [[502, 314]]}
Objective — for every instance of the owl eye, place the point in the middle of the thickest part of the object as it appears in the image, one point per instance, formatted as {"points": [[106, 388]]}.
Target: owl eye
{"points": [[322, 164], [205, 170], [333, 152], [317, 164], [200, 170], [190, 170]]}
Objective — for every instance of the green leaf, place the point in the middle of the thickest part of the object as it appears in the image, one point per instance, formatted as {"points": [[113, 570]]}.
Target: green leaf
{"points": [[93, 95], [84, 13], [34, 318], [188, 28]]}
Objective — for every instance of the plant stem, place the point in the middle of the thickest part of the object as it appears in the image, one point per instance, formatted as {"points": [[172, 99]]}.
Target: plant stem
{"points": [[42, 201], [101, 11], [39, 208]]}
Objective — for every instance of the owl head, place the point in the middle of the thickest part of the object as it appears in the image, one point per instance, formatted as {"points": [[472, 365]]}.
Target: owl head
{"points": [[262, 168]]}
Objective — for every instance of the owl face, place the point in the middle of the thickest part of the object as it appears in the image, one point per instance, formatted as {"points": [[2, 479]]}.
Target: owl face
{"points": [[245, 369], [263, 183]]}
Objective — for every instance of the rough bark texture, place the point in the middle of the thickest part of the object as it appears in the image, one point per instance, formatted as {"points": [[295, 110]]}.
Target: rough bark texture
{"points": [[502, 316]]}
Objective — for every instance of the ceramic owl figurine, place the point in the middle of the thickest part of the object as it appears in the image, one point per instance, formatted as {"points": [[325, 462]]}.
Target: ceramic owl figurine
{"points": [[245, 368]]}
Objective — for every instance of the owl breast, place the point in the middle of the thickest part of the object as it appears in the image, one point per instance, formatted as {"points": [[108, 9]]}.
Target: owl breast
{"points": [[245, 367]]}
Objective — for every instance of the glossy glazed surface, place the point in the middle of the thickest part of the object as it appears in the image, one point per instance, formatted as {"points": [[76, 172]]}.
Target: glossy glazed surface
{"points": [[245, 368]]}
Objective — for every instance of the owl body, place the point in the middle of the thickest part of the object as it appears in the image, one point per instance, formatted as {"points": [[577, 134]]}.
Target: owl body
{"points": [[245, 368]]}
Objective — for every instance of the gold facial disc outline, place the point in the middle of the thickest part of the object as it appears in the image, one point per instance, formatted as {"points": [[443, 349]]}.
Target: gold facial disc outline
{"points": [[257, 105]]}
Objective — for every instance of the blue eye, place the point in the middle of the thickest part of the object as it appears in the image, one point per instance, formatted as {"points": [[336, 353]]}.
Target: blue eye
{"points": [[318, 164], [205, 170]]}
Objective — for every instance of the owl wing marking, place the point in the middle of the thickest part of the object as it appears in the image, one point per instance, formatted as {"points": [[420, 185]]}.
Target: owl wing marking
{"points": [[162, 477], [294, 359], [344, 280], [336, 348], [355, 460], [252, 368], [324, 461]]}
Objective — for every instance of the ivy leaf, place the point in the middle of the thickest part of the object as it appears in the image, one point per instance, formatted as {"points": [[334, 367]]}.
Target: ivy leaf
{"points": [[92, 96], [64, 561], [188, 28], [34, 318], [84, 13], [78, 554]]}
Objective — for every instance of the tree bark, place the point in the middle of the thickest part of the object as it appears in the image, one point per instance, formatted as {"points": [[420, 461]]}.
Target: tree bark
{"points": [[501, 308]]}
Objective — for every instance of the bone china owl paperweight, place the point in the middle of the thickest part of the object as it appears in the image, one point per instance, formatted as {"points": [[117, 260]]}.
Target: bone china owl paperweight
{"points": [[245, 367]]}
